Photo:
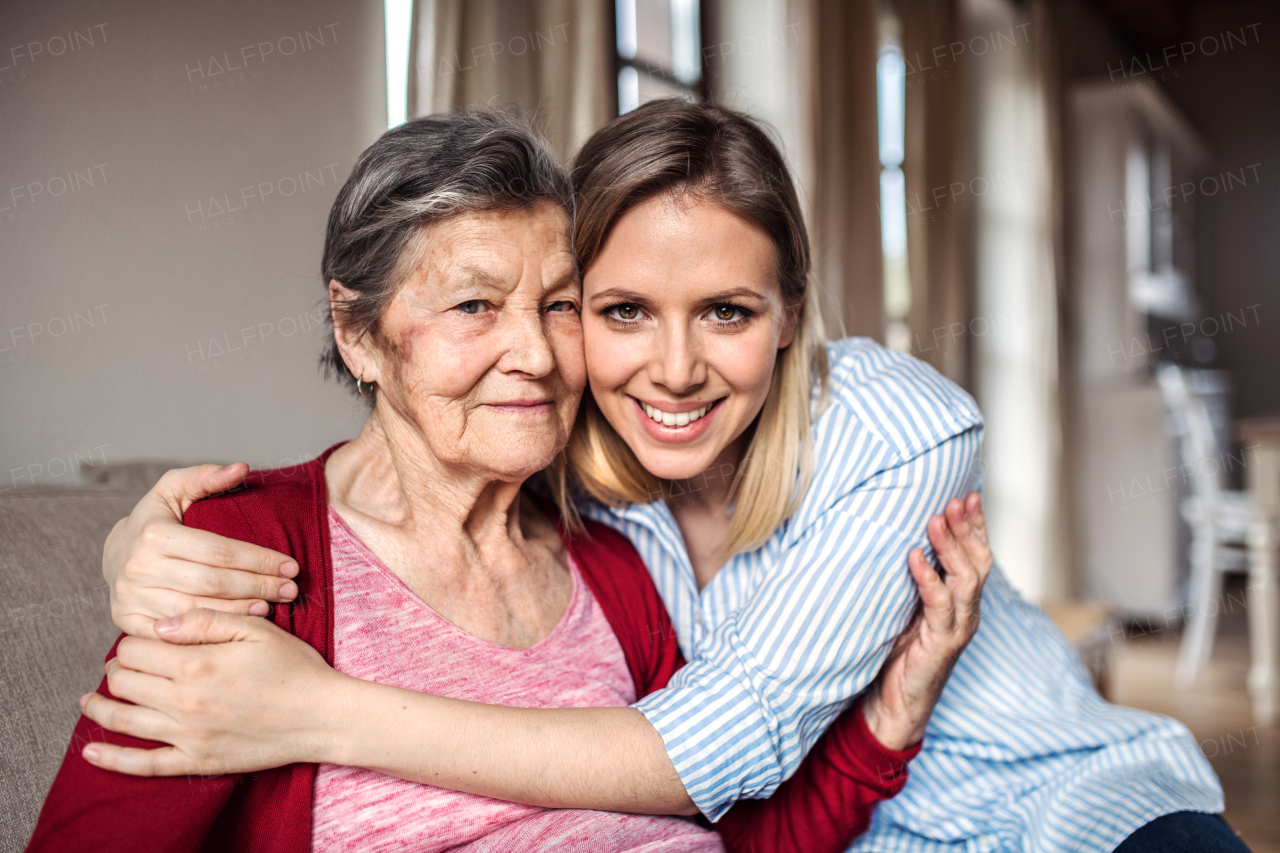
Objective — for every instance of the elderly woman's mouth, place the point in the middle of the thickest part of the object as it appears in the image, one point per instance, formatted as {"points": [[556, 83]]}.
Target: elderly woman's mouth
{"points": [[524, 407]]}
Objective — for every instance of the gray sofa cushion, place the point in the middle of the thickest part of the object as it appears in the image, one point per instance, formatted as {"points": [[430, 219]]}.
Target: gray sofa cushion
{"points": [[55, 631]]}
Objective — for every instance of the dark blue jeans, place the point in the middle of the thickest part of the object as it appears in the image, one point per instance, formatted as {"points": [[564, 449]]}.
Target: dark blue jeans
{"points": [[1184, 832]]}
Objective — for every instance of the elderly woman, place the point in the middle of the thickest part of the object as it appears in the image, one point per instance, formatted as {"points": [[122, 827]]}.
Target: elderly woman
{"points": [[425, 566]]}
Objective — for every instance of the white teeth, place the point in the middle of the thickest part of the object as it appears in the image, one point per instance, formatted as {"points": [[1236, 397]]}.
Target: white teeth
{"points": [[674, 418]]}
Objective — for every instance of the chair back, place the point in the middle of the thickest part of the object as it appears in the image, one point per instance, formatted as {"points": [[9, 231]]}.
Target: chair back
{"points": [[1201, 462]]}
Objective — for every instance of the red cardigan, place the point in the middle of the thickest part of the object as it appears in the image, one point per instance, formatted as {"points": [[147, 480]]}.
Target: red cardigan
{"points": [[823, 807]]}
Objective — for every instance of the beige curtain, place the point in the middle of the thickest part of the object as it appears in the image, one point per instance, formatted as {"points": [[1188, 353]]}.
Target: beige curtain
{"points": [[846, 203], [936, 162], [1018, 265], [551, 58], [806, 68]]}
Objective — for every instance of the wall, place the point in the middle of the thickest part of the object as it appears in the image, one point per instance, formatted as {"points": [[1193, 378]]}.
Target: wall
{"points": [[1233, 99], [165, 174]]}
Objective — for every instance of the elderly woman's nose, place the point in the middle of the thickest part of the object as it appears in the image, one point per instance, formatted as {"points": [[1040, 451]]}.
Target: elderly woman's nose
{"points": [[528, 346], [677, 362]]}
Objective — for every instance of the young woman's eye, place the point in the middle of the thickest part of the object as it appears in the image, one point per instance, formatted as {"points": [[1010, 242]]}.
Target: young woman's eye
{"points": [[627, 312], [728, 313], [471, 306]]}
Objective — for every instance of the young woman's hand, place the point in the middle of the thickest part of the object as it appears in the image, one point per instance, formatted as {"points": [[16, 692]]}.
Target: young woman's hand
{"points": [[156, 567], [231, 693], [898, 703]]}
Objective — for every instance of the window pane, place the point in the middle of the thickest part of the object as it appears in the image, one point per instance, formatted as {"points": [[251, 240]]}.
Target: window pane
{"points": [[891, 104], [626, 14], [628, 90], [398, 15], [893, 241], [686, 41]]}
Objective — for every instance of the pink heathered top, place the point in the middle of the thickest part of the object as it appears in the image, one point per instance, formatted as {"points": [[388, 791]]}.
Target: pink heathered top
{"points": [[383, 632]]}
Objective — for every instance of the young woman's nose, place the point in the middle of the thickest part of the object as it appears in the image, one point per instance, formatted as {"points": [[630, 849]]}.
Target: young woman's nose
{"points": [[677, 362]]}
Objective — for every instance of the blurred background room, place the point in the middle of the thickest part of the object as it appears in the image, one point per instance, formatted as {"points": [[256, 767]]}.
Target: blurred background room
{"points": [[1068, 207]]}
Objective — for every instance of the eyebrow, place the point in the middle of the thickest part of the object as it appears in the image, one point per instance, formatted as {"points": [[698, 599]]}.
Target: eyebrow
{"points": [[475, 275], [618, 293]]}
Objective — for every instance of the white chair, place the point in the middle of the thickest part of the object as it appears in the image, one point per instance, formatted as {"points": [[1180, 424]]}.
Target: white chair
{"points": [[1219, 520]]}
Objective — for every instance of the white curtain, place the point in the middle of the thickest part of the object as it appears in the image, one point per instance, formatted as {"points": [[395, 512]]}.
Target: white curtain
{"points": [[553, 58], [1014, 188], [807, 69]]}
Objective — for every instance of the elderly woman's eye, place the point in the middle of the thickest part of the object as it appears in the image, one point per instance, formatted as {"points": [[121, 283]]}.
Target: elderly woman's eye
{"points": [[563, 306], [471, 306]]}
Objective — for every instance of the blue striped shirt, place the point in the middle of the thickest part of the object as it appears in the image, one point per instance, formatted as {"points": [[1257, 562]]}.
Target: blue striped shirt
{"points": [[1021, 752]]}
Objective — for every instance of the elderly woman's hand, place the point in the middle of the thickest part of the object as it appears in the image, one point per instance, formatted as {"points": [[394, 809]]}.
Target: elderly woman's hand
{"points": [[249, 698], [899, 702], [156, 567]]}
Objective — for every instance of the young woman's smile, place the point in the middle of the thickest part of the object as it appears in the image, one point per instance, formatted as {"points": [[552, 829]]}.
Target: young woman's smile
{"points": [[683, 317], [676, 423]]}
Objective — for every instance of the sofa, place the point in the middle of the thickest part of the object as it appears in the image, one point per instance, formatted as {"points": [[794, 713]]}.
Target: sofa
{"points": [[57, 624], [56, 630]]}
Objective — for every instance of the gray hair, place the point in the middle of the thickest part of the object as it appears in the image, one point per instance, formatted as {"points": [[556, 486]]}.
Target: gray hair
{"points": [[421, 172]]}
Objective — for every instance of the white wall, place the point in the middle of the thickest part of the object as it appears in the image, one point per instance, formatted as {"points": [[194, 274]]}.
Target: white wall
{"points": [[140, 315]]}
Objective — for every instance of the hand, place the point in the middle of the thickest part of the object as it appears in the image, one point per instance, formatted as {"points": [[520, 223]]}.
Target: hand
{"points": [[156, 567], [899, 702], [251, 697]]}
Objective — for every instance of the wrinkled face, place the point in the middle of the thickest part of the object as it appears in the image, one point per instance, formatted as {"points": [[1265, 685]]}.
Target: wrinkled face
{"points": [[478, 357], [683, 318]]}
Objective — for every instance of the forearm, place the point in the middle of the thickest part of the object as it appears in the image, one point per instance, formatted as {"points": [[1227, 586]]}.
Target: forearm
{"points": [[608, 759], [830, 799]]}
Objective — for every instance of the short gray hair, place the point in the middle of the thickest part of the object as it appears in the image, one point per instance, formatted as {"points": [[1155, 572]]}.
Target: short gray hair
{"points": [[421, 172]]}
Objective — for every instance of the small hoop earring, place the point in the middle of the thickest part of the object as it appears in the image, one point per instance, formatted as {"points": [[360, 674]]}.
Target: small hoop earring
{"points": [[359, 390]]}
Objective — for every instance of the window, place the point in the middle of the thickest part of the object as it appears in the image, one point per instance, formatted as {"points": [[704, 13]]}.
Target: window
{"points": [[659, 51], [398, 19], [891, 108]]}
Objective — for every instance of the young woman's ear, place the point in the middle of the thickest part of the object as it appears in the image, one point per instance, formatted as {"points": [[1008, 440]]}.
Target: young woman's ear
{"points": [[351, 342]]}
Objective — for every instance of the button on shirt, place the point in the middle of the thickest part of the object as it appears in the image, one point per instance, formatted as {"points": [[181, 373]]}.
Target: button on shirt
{"points": [[1020, 754]]}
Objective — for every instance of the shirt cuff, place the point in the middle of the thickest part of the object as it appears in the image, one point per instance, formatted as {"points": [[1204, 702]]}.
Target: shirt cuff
{"points": [[723, 748]]}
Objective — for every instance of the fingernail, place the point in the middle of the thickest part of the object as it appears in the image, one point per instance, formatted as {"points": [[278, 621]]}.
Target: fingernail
{"points": [[90, 753], [167, 625], [289, 569], [289, 590], [259, 609], [84, 700]]}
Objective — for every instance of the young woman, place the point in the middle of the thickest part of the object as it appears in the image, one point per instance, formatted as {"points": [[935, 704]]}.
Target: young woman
{"points": [[771, 484]]}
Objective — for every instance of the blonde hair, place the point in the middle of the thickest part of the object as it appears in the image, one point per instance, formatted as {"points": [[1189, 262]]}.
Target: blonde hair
{"points": [[722, 157]]}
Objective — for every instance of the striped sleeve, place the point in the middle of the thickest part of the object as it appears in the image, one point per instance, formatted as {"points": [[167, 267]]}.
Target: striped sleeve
{"points": [[741, 716]]}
